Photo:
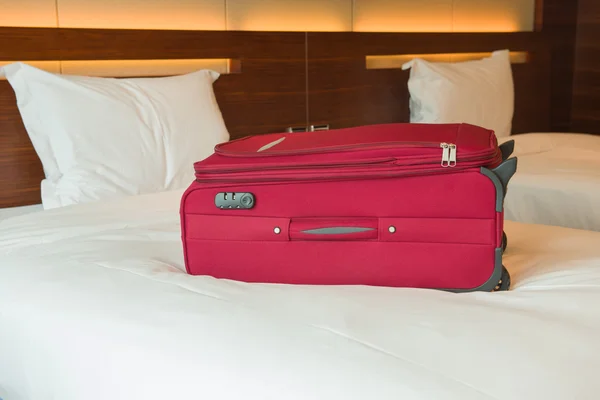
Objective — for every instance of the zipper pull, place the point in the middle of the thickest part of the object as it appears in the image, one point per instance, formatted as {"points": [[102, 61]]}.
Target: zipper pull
{"points": [[452, 158], [445, 154]]}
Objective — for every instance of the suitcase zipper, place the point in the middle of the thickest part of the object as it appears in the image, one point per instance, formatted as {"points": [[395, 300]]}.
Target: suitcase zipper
{"points": [[448, 154], [452, 162], [320, 176], [331, 149], [445, 154], [218, 170], [449, 159], [316, 174]]}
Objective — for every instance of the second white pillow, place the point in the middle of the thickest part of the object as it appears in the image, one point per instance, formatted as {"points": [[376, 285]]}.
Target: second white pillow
{"points": [[479, 92]]}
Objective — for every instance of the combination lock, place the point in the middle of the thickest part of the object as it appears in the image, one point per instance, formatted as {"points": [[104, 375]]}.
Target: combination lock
{"points": [[234, 200]]}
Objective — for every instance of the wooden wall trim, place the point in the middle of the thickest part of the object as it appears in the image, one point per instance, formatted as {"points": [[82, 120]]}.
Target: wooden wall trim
{"points": [[133, 44], [586, 82], [538, 23], [558, 20]]}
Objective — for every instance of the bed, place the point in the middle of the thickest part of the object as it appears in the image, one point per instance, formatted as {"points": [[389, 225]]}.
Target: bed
{"points": [[21, 210], [557, 181], [95, 304], [106, 300], [94, 299]]}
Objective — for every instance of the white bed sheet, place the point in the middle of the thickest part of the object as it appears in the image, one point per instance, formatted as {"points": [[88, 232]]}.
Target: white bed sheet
{"points": [[17, 211], [94, 305], [557, 180]]}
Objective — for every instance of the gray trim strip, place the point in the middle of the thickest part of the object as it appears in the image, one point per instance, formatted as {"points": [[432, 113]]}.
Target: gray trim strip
{"points": [[491, 283], [338, 230], [507, 149], [499, 187], [505, 172]]}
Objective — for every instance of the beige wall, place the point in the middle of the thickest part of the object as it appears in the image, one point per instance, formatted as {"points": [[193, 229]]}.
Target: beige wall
{"points": [[291, 15]]}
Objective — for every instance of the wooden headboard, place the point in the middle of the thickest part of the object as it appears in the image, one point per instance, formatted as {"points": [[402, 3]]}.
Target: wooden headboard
{"points": [[269, 93], [343, 93], [286, 79]]}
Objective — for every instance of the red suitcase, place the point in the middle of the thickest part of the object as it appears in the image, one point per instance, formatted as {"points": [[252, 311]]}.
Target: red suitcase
{"points": [[401, 205]]}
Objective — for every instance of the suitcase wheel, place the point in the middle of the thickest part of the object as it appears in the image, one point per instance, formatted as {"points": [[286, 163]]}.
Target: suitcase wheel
{"points": [[504, 283], [504, 240]]}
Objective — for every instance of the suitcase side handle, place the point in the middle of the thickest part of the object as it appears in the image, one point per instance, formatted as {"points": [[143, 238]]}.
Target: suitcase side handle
{"points": [[505, 172], [334, 229], [500, 177], [507, 148]]}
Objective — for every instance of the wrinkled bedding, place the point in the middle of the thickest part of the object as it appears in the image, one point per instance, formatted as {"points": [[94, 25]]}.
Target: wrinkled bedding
{"points": [[557, 180], [95, 305]]}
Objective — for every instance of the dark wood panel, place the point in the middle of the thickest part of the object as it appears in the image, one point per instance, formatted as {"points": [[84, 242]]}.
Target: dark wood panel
{"points": [[559, 24], [267, 96], [588, 16], [29, 44], [343, 93], [591, 77], [586, 83], [125, 44], [21, 168]]}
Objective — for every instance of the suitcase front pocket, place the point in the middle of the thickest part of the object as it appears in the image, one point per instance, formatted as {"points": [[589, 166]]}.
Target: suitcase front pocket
{"points": [[394, 229]]}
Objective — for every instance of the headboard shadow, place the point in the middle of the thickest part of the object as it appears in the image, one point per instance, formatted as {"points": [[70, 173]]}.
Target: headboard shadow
{"points": [[279, 79]]}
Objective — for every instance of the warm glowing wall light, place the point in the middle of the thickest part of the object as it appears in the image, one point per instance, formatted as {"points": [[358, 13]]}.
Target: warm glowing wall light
{"points": [[396, 61], [289, 15], [136, 68], [428, 26], [493, 15], [142, 68], [298, 25], [28, 13], [403, 15], [443, 15], [488, 25], [141, 14], [50, 66]]}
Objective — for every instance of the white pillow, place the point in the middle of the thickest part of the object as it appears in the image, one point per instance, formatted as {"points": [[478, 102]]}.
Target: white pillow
{"points": [[478, 92], [101, 138]]}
